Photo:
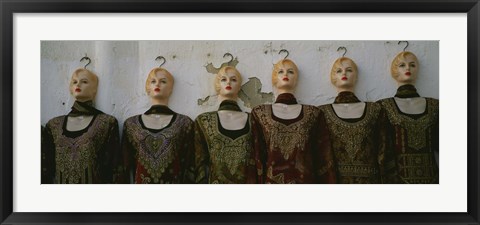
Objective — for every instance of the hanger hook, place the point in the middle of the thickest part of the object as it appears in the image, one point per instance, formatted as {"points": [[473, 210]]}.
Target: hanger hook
{"points": [[86, 58], [345, 52], [231, 57], [161, 57], [284, 50], [405, 45]]}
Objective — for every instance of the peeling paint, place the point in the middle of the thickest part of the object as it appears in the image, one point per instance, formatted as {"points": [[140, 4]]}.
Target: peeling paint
{"points": [[202, 101], [251, 94], [213, 70]]}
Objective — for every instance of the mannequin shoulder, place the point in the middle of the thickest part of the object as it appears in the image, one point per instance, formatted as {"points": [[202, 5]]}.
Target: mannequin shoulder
{"points": [[184, 119], [131, 120], [206, 116], [109, 118], [259, 109], [56, 121]]}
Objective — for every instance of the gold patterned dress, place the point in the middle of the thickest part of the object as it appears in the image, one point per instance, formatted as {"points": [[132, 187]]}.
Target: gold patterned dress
{"points": [[359, 145], [223, 156], [414, 139], [288, 151], [80, 157], [157, 156]]}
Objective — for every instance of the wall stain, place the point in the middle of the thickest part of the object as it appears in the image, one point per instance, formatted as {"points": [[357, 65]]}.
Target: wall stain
{"points": [[250, 94], [202, 101], [213, 70]]}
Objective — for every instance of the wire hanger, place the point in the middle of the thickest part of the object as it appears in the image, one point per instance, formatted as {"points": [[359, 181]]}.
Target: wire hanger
{"points": [[405, 46], [231, 57], [86, 58], [345, 52], [159, 58], [284, 50]]}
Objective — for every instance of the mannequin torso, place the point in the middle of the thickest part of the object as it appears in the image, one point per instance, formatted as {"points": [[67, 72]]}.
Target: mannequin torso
{"points": [[415, 105], [286, 112], [349, 110], [78, 122], [156, 121], [232, 120]]}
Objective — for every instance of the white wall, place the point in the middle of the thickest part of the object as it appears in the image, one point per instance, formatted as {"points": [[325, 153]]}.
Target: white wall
{"points": [[122, 67]]}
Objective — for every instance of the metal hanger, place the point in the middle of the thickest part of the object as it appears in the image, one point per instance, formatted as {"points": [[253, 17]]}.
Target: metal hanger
{"points": [[159, 58], [405, 46], [345, 52], [86, 58], [284, 50]]}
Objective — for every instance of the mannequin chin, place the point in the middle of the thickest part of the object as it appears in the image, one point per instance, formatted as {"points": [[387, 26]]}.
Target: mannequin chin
{"points": [[228, 83], [343, 76]]}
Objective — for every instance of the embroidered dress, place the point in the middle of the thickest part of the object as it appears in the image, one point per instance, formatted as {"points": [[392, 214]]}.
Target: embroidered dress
{"points": [[288, 151], [80, 157], [223, 156], [414, 138], [359, 144], [157, 156]]}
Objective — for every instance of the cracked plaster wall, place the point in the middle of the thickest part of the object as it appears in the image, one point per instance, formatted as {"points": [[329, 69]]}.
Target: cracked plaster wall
{"points": [[122, 67]]}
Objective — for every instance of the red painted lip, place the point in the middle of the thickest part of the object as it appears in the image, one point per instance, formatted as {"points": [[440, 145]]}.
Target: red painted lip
{"points": [[228, 88], [344, 78], [285, 79], [157, 89], [78, 90], [408, 73]]}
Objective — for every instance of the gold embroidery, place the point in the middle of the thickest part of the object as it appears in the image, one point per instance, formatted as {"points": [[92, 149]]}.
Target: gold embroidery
{"points": [[351, 135], [417, 168], [361, 170], [279, 178], [287, 138], [76, 158], [223, 150], [157, 150], [416, 128]]}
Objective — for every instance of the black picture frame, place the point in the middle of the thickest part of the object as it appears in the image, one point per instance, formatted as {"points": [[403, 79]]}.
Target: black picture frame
{"points": [[9, 7]]}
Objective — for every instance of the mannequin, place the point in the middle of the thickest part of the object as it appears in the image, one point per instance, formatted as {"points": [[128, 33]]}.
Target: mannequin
{"points": [[413, 120], [156, 143], [80, 147], [286, 145], [223, 140], [356, 130]]}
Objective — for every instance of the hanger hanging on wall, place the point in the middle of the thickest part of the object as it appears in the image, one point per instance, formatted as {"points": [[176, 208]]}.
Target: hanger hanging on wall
{"points": [[342, 47], [86, 58], [159, 58], [284, 50], [405, 45], [231, 57]]}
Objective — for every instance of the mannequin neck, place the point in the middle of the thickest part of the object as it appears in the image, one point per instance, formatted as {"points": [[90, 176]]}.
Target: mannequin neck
{"points": [[83, 99], [222, 98], [159, 101], [342, 89], [283, 91], [404, 83]]}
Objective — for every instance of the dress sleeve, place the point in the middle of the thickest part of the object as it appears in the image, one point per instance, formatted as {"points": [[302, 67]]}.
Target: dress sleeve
{"points": [[111, 149], [323, 153], [128, 157], [251, 171], [386, 154], [48, 156], [201, 155], [188, 158], [259, 148]]}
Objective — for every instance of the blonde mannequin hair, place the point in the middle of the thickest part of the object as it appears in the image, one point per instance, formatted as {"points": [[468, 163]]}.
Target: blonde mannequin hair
{"points": [[92, 76], [278, 66], [223, 72], [337, 64], [153, 73], [396, 61]]}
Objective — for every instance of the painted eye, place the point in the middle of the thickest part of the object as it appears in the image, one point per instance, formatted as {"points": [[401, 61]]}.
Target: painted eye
{"points": [[153, 81], [402, 65], [164, 82], [291, 72], [223, 80], [412, 65], [75, 82], [280, 72], [339, 71]]}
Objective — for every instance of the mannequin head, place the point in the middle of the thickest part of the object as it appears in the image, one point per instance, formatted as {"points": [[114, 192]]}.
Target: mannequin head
{"points": [[159, 85], [83, 85], [404, 68], [228, 82], [285, 76], [344, 74]]}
